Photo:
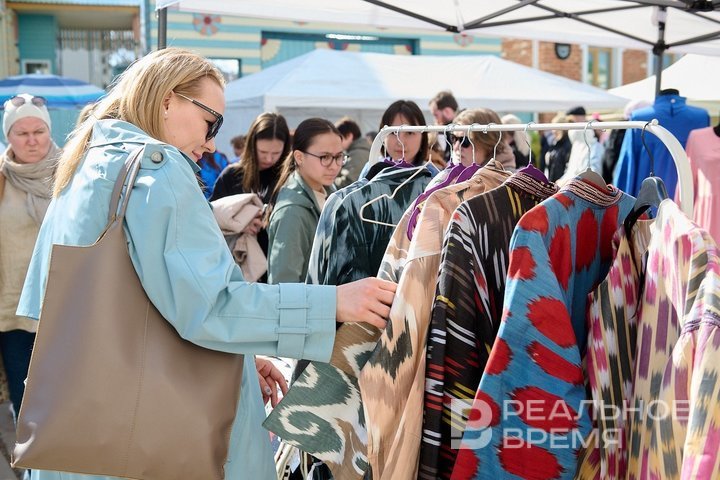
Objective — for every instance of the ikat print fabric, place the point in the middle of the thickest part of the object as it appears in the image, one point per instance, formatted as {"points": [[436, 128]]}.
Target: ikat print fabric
{"points": [[532, 392], [392, 381], [467, 309], [653, 355]]}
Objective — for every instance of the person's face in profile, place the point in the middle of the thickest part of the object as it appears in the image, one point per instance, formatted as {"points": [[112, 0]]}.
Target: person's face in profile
{"points": [[186, 124]]}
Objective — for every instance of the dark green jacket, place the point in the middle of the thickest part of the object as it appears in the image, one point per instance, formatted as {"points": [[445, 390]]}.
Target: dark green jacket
{"points": [[291, 231]]}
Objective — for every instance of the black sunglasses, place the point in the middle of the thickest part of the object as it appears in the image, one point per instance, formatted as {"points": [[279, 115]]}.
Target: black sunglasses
{"points": [[463, 139], [213, 127], [19, 101]]}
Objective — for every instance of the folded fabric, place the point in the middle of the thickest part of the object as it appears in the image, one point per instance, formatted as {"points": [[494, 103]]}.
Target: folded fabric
{"points": [[233, 214]]}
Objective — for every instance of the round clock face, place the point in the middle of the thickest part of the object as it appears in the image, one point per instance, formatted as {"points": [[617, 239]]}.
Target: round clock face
{"points": [[562, 50]]}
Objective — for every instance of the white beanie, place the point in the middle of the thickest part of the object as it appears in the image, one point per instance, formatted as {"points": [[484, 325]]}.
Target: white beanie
{"points": [[27, 109]]}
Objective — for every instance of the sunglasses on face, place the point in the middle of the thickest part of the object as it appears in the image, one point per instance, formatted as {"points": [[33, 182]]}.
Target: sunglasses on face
{"points": [[212, 127], [463, 139], [19, 101]]}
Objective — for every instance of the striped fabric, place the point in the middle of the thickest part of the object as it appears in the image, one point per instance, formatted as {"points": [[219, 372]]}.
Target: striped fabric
{"points": [[467, 309], [529, 418], [665, 375], [392, 382]]}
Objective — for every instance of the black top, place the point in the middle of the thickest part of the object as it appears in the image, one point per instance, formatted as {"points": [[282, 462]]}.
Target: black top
{"points": [[230, 183], [558, 156]]}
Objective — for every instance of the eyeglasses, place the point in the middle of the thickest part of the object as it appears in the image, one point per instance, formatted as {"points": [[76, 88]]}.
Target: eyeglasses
{"points": [[463, 139], [19, 101], [326, 160], [212, 127]]}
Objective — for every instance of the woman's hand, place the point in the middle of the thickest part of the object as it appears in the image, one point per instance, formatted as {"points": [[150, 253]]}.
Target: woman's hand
{"points": [[270, 379], [367, 300]]}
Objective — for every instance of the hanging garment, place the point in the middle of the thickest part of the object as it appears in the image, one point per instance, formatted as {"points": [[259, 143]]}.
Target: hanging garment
{"points": [[334, 409], [634, 163], [530, 398], [703, 150], [357, 246], [393, 380], [320, 252], [668, 384], [467, 309], [610, 357]]}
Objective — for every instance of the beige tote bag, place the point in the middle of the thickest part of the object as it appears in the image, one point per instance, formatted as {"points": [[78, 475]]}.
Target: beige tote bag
{"points": [[112, 388]]}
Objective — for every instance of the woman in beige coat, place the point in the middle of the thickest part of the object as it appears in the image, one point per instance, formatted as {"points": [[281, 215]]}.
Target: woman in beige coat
{"points": [[27, 169]]}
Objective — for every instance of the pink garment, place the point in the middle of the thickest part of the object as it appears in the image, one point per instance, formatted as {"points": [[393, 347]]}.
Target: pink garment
{"points": [[703, 150]]}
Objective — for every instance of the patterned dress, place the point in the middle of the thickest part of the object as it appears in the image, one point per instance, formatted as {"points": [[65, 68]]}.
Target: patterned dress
{"points": [[322, 412], [467, 309], [653, 356], [392, 382], [529, 417]]}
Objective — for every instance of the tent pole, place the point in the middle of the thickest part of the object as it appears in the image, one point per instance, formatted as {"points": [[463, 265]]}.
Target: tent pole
{"points": [[659, 48], [162, 28]]}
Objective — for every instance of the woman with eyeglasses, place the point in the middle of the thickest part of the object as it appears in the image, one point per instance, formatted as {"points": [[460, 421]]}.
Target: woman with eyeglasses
{"points": [[306, 179], [170, 103], [27, 169], [479, 147]]}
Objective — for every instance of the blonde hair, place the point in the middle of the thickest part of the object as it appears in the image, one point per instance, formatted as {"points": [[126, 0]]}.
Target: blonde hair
{"points": [[137, 97], [484, 142]]}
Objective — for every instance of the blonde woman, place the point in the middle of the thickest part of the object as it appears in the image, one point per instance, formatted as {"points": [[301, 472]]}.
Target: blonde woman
{"points": [[172, 102], [483, 143]]}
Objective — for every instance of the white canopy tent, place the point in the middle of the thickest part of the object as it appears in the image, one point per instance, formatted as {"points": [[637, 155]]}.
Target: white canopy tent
{"points": [[586, 21], [693, 75], [331, 83]]}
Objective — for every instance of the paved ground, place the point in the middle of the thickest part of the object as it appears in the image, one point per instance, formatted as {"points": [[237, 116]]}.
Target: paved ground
{"points": [[7, 441]]}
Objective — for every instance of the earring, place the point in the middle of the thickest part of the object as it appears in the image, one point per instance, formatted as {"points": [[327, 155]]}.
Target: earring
{"points": [[166, 113]]}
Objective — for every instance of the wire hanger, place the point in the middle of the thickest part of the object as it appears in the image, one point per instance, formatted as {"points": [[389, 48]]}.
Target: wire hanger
{"points": [[389, 197], [589, 174], [530, 168], [494, 157], [652, 190], [474, 166]]}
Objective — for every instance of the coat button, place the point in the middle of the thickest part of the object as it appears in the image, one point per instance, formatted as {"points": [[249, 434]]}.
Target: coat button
{"points": [[156, 157]]}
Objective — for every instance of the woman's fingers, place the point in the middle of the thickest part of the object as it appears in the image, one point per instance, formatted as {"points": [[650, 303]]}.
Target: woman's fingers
{"points": [[366, 300]]}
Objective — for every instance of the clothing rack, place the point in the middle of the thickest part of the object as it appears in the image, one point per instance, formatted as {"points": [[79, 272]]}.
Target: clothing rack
{"points": [[685, 183]]}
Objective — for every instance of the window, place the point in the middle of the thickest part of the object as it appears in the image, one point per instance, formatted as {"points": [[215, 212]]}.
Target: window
{"points": [[668, 59], [36, 66], [231, 68], [600, 67]]}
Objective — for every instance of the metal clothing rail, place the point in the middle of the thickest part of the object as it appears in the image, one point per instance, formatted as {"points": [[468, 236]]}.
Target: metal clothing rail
{"points": [[685, 182]]}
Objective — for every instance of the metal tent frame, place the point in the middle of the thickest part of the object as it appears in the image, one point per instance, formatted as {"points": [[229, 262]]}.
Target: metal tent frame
{"points": [[696, 8]]}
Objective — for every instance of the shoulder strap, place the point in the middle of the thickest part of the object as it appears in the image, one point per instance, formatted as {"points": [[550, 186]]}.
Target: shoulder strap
{"points": [[130, 168]]}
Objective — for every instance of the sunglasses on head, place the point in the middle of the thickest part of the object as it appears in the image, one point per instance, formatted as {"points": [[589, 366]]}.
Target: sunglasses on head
{"points": [[37, 101], [212, 127], [463, 139]]}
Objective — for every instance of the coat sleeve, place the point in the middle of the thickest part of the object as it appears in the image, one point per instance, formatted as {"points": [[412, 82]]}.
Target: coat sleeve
{"points": [[189, 274], [291, 233]]}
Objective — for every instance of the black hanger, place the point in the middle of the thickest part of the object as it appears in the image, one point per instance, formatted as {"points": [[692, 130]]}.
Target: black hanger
{"points": [[669, 91], [652, 191]]}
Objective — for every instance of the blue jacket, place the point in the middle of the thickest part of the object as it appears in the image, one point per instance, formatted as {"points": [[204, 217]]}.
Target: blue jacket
{"points": [[634, 163], [188, 273]]}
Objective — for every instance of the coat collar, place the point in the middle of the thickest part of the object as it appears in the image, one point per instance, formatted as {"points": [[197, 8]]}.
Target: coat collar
{"points": [[111, 131]]}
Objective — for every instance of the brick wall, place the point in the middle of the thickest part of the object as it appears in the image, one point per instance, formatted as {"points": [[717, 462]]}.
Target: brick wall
{"points": [[520, 51], [635, 64]]}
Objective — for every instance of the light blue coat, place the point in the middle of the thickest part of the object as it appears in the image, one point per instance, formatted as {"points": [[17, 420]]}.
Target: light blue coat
{"points": [[188, 273]]}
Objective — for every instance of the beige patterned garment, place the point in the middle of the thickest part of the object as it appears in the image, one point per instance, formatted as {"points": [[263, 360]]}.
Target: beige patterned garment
{"points": [[392, 382]]}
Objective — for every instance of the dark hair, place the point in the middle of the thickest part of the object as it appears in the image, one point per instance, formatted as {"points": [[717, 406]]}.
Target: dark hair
{"points": [[413, 114], [303, 138], [267, 126], [445, 99], [347, 125], [238, 141]]}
